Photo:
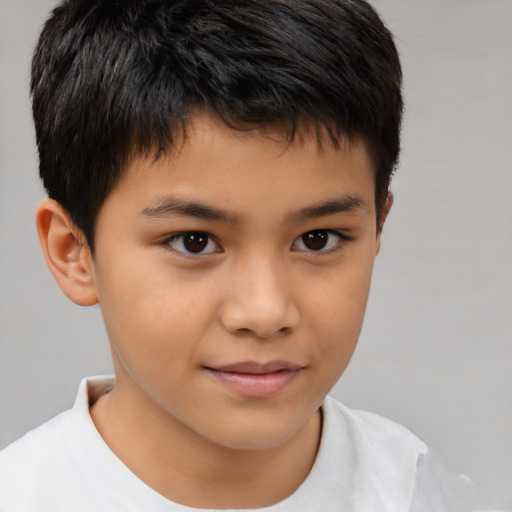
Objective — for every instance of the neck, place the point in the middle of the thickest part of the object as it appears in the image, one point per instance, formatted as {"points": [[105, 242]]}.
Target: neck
{"points": [[188, 469]]}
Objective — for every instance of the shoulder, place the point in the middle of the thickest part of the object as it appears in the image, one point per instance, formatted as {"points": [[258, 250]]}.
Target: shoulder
{"points": [[46, 443], [19, 459], [44, 468], [24, 463], [38, 440], [366, 427], [374, 457]]}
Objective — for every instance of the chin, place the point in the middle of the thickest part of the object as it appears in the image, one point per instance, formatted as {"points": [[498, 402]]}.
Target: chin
{"points": [[256, 435], [252, 442]]}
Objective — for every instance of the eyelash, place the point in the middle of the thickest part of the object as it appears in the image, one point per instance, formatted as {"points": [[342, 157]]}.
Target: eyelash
{"points": [[342, 239], [199, 234]]}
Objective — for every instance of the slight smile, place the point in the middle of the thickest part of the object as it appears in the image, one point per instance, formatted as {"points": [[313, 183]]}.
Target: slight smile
{"points": [[255, 380]]}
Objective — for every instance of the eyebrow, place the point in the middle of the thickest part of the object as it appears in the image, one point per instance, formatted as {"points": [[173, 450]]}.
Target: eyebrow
{"points": [[173, 205], [341, 204]]}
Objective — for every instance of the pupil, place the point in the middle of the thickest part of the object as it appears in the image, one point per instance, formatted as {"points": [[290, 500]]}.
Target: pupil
{"points": [[195, 242], [315, 240]]}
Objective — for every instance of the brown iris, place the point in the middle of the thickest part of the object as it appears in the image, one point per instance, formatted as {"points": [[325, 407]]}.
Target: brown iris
{"points": [[195, 242], [316, 240]]}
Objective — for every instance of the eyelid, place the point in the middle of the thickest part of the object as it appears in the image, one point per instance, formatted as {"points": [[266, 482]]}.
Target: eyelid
{"points": [[342, 239], [167, 243]]}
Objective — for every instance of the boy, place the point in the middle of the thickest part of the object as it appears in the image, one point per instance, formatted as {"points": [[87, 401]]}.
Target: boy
{"points": [[218, 177]]}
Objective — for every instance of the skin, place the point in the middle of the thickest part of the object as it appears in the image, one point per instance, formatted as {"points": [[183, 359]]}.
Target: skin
{"points": [[256, 293]]}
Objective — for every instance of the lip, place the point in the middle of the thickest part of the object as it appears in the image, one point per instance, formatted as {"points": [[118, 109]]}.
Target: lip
{"points": [[256, 380]]}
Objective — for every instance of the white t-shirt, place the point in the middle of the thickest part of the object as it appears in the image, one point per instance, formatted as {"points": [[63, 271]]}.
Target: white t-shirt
{"points": [[365, 463]]}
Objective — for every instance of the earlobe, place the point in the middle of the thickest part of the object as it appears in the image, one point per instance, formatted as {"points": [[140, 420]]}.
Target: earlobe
{"points": [[66, 253], [382, 219]]}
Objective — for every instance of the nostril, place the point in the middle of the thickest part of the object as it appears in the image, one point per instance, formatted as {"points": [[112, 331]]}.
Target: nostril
{"points": [[264, 334], [243, 331]]}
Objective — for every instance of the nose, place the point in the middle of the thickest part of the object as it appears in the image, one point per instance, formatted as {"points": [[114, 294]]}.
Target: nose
{"points": [[260, 302]]}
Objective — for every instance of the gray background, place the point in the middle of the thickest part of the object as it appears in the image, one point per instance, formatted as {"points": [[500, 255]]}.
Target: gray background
{"points": [[436, 351]]}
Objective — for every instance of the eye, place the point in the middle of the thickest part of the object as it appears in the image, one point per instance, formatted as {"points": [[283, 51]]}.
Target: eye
{"points": [[319, 240], [193, 242]]}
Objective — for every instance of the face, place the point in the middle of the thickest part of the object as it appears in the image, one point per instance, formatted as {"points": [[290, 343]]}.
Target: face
{"points": [[233, 277]]}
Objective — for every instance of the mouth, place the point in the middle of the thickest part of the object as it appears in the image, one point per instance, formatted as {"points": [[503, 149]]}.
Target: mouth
{"points": [[256, 380]]}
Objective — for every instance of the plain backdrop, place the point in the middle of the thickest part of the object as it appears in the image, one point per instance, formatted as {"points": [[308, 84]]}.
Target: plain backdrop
{"points": [[436, 349]]}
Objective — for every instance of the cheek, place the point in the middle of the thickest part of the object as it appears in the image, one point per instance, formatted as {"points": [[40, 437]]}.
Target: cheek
{"points": [[336, 334], [338, 309], [154, 318]]}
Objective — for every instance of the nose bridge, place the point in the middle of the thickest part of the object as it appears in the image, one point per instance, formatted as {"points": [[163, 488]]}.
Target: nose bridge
{"points": [[260, 299]]}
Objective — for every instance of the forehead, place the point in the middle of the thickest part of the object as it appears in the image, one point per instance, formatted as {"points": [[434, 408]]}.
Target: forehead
{"points": [[242, 167]]}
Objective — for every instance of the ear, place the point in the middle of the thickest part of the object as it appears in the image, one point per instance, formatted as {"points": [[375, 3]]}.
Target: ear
{"points": [[382, 218], [66, 253]]}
